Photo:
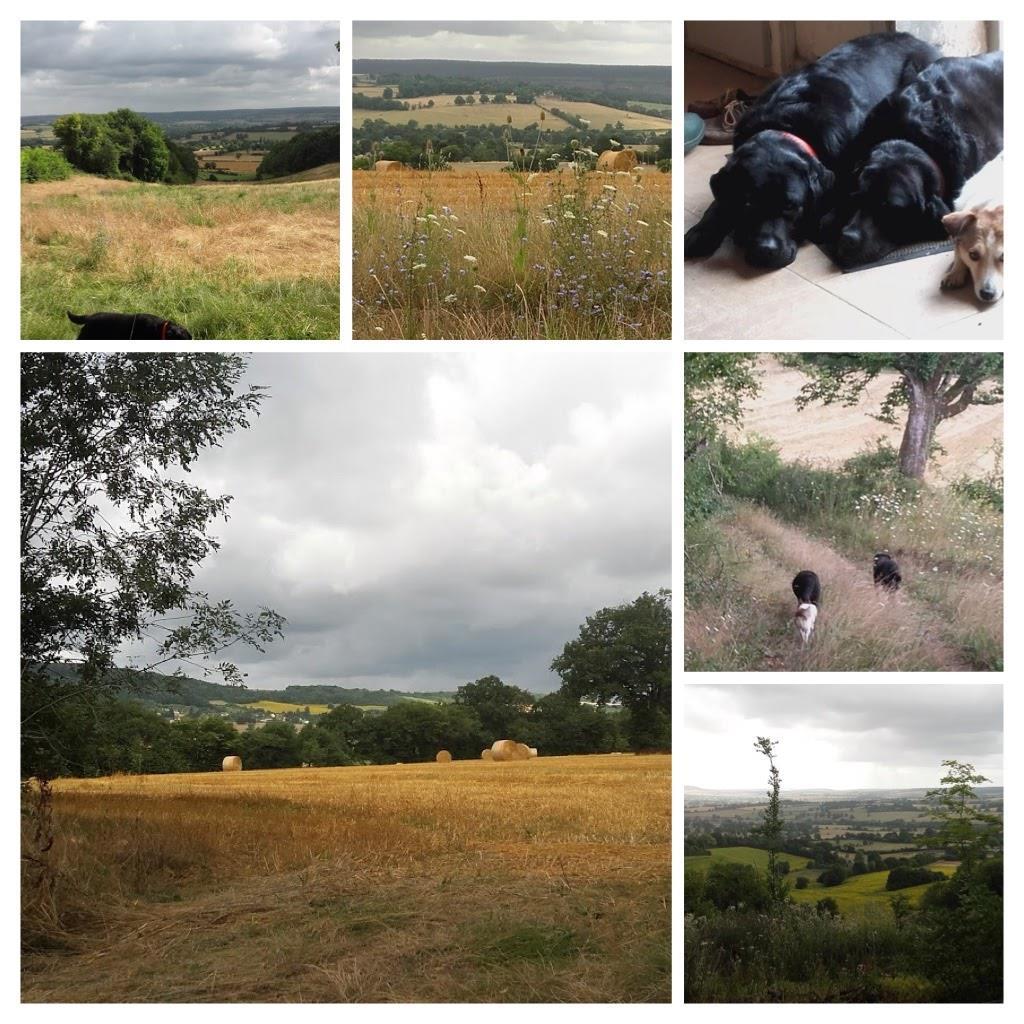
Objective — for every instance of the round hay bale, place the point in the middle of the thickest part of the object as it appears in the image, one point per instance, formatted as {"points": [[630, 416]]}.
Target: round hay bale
{"points": [[533, 751], [486, 755], [509, 750], [617, 160], [442, 757], [231, 763], [388, 165]]}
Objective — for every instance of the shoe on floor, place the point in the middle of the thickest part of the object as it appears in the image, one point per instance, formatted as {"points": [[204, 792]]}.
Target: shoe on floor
{"points": [[720, 130]]}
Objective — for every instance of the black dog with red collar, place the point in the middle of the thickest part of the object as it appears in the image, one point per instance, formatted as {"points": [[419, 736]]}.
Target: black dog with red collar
{"points": [[127, 327], [776, 186]]}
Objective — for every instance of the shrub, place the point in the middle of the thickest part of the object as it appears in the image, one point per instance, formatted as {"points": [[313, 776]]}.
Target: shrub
{"points": [[41, 164], [835, 875]]}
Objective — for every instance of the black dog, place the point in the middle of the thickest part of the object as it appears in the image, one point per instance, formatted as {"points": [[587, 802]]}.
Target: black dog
{"points": [[887, 572], [127, 327], [917, 149], [774, 188], [807, 587]]}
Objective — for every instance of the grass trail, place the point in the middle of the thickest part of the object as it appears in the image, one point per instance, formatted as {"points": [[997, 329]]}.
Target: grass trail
{"points": [[858, 628]]}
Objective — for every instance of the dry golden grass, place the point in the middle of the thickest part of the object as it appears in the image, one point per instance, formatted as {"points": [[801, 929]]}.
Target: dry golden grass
{"points": [[599, 115], [252, 260], [200, 227], [543, 880], [450, 116], [497, 255], [858, 628]]}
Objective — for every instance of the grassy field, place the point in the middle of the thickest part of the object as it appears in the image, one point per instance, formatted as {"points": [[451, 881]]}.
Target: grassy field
{"points": [[242, 163], [741, 855], [496, 255], [858, 895], [538, 881], [228, 262], [278, 706], [864, 894]]}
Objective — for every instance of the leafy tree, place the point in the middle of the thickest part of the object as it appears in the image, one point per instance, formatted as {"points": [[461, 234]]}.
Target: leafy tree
{"points": [[204, 742], [771, 830], [835, 875], [962, 825], [276, 745], [624, 653], [111, 533], [499, 707], [559, 724], [715, 385], [801, 882], [388, 93], [932, 387]]}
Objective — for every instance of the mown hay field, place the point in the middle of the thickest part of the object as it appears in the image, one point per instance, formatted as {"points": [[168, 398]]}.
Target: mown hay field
{"points": [[501, 255], [599, 115], [545, 880], [446, 114], [227, 262]]}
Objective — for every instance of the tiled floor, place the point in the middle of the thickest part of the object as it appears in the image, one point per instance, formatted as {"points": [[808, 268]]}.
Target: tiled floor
{"points": [[811, 300]]}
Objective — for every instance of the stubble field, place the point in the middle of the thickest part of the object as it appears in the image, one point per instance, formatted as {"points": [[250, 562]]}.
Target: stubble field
{"points": [[499, 255], [538, 881]]}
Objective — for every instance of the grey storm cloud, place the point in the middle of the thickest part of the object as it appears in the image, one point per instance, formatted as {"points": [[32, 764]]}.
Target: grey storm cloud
{"points": [[566, 42], [908, 729], [422, 521], [154, 66]]}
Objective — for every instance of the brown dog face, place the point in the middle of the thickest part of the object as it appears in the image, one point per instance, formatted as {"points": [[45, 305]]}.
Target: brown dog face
{"points": [[978, 234]]}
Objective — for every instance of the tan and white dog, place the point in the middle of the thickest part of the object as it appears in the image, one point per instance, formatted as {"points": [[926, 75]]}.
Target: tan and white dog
{"points": [[805, 616], [976, 227]]}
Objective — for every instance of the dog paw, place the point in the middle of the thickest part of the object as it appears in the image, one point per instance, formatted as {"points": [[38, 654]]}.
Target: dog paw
{"points": [[956, 277]]}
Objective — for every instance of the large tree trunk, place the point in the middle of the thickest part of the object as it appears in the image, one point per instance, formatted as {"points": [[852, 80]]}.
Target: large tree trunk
{"points": [[920, 429]]}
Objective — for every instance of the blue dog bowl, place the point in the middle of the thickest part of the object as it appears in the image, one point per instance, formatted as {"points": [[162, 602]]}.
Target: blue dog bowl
{"points": [[693, 132]]}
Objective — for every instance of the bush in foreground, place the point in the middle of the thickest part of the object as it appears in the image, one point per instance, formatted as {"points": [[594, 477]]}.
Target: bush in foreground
{"points": [[40, 164]]}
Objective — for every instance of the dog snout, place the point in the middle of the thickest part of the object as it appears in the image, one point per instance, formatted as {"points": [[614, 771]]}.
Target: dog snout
{"points": [[989, 291], [771, 252]]}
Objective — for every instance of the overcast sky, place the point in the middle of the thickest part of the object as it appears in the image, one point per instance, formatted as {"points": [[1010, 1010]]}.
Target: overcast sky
{"points": [[423, 521], [559, 42], [95, 66], [845, 736]]}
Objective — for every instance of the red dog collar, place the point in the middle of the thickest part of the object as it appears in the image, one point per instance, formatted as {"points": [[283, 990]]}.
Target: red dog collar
{"points": [[802, 143], [163, 330]]}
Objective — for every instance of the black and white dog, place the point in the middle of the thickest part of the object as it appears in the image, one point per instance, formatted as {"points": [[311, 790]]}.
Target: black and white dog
{"points": [[887, 572], [807, 588]]}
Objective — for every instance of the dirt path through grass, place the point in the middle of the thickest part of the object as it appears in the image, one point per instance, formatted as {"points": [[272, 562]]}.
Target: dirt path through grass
{"points": [[858, 627]]}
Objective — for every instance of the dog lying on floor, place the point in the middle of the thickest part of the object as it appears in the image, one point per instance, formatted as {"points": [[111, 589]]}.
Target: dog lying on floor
{"points": [[917, 150], [771, 192], [976, 228], [127, 327]]}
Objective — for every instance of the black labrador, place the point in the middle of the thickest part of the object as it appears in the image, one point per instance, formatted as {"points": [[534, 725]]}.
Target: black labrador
{"points": [[774, 188], [886, 572], [917, 149], [807, 587], [127, 327]]}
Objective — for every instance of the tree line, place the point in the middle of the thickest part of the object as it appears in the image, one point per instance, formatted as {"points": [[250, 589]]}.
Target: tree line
{"points": [[112, 533]]}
